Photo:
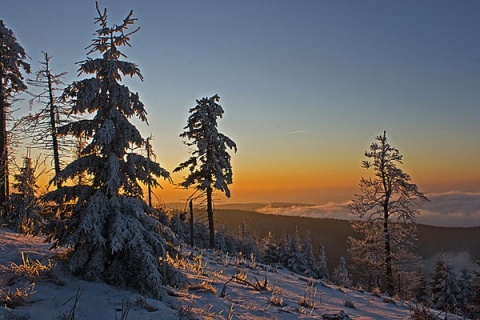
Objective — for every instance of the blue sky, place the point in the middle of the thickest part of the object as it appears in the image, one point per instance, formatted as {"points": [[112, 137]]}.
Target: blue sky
{"points": [[306, 85]]}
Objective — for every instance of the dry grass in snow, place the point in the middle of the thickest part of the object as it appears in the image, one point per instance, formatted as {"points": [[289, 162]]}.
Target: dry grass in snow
{"points": [[219, 287]]}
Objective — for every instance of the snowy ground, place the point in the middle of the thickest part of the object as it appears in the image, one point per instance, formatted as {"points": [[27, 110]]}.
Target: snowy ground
{"points": [[205, 298]]}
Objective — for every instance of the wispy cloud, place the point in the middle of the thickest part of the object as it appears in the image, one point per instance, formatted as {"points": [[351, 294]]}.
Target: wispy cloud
{"points": [[457, 209], [297, 132]]}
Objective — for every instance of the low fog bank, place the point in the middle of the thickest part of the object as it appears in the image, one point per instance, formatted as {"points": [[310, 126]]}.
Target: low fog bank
{"points": [[457, 260], [452, 209]]}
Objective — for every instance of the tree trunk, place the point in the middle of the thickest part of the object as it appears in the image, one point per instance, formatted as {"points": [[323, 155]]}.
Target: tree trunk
{"points": [[149, 184], [53, 125], [210, 217], [192, 243], [3, 147], [388, 259], [386, 215]]}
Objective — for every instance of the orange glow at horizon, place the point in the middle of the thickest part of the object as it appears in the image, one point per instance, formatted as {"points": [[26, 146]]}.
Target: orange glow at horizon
{"points": [[311, 183]]}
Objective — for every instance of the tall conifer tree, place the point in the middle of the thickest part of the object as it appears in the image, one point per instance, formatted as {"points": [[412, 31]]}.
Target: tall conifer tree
{"points": [[112, 235], [209, 164], [12, 61]]}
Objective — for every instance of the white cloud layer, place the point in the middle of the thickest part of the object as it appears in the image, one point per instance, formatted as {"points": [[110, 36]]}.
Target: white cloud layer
{"points": [[328, 210], [456, 209]]}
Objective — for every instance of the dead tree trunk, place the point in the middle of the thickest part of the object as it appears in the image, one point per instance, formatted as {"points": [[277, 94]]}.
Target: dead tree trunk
{"points": [[210, 217], [192, 243], [53, 123]]}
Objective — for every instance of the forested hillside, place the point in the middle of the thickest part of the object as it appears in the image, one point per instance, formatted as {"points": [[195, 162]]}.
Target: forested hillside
{"points": [[333, 234]]}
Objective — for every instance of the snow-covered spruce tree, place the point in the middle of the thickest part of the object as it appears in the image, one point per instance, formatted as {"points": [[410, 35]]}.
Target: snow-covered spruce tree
{"points": [[209, 164], [296, 261], [12, 61], [340, 274], [311, 267], [322, 264], [52, 113], [25, 216], [284, 253], [387, 207], [297, 255], [111, 231], [270, 249], [422, 292], [444, 287], [465, 289], [474, 299]]}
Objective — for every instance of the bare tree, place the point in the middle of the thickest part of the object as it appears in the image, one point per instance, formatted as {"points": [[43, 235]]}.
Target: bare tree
{"points": [[12, 60], [209, 164], [43, 124], [387, 202]]}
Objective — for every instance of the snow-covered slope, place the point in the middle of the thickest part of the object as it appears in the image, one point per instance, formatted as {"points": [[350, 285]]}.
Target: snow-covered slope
{"points": [[219, 287]]}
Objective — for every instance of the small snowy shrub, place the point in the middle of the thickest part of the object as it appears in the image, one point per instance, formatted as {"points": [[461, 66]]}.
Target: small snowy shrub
{"points": [[71, 314], [420, 312], [204, 286], [240, 276], [376, 292], [349, 303], [124, 310], [29, 271], [388, 300], [226, 260], [240, 259], [276, 299], [199, 264], [309, 295], [253, 262], [142, 302], [186, 312], [16, 297]]}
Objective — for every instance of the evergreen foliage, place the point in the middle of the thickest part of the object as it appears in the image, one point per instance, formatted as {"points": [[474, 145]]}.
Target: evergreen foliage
{"points": [[422, 290], [284, 245], [25, 216], [295, 257], [474, 304], [444, 287], [340, 274], [12, 61], [112, 232], [311, 268], [270, 249], [322, 264], [291, 252], [465, 289], [209, 165], [247, 242], [387, 206]]}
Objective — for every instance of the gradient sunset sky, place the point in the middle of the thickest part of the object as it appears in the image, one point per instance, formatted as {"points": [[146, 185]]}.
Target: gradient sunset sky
{"points": [[305, 85]]}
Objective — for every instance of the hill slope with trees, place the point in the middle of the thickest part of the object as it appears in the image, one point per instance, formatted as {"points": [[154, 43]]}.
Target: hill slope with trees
{"points": [[456, 242]]}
